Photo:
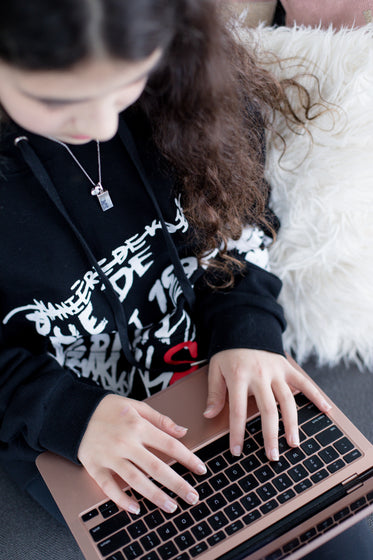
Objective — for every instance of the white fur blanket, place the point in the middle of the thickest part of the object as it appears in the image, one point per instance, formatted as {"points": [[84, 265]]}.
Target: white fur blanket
{"points": [[323, 195]]}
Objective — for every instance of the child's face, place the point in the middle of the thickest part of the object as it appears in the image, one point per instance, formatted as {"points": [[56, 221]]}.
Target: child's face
{"points": [[75, 105]]}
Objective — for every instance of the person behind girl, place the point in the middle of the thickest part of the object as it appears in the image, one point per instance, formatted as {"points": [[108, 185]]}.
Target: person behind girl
{"points": [[134, 226]]}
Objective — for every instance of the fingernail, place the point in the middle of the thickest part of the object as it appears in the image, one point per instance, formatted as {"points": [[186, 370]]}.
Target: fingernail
{"points": [[201, 469], [134, 508], [192, 498], [180, 429], [209, 409], [294, 439], [169, 506], [273, 455], [236, 451], [325, 406]]}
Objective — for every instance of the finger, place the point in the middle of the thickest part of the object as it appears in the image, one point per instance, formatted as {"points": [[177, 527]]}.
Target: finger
{"points": [[142, 484], [237, 416], [167, 477], [173, 448], [288, 408], [217, 392], [164, 423], [300, 382], [266, 403], [112, 490]]}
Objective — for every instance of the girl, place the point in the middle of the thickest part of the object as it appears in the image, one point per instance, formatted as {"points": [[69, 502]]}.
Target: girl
{"points": [[134, 226]]}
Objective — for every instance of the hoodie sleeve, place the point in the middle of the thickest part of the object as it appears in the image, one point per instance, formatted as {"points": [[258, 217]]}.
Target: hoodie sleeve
{"points": [[246, 315], [42, 405]]}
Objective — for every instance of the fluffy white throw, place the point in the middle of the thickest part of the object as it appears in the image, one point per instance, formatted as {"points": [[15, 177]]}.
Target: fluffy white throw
{"points": [[323, 194]]}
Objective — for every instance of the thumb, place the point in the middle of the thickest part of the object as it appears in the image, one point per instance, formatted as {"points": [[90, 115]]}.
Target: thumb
{"points": [[217, 392]]}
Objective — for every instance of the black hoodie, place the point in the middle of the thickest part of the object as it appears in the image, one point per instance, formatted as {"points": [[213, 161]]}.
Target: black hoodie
{"points": [[93, 302]]}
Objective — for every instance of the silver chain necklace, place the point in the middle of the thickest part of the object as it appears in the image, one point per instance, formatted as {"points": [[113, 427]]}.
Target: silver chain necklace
{"points": [[98, 190]]}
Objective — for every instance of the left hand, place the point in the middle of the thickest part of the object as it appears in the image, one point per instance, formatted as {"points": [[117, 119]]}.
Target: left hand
{"points": [[269, 378]]}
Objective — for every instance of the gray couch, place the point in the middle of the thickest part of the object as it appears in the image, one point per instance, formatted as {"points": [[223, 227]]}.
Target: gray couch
{"points": [[27, 532]]}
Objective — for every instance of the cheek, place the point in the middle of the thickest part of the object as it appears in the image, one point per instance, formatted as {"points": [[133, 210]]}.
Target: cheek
{"points": [[33, 117], [129, 96]]}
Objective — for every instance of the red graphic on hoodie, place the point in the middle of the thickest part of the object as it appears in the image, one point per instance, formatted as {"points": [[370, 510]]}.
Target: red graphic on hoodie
{"points": [[169, 355]]}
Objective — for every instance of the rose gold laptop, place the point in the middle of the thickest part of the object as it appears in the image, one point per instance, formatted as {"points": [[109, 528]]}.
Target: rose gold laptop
{"points": [[250, 508]]}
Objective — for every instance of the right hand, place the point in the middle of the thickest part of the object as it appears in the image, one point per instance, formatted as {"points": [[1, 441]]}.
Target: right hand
{"points": [[118, 439]]}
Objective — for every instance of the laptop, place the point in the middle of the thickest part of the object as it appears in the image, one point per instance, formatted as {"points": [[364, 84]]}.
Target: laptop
{"points": [[249, 508]]}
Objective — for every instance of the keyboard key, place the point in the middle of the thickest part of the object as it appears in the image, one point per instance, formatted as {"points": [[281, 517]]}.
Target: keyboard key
{"points": [[109, 526], [252, 516], [234, 472], [344, 445], [116, 556], [154, 519], [216, 502], [217, 464], [298, 473], [108, 509], [149, 556], [167, 531], [295, 455], [250, 463], [182, 556], [310, 446], [198, 549], [137, 529], [358, 504], [342, 514], [336, 466], [288, 547], [234, 527], [307, 413], [324, 524], [280, 466], [308, 535], [313, 464], [301, 400], [233, 511], [286, 496], [266, 492], [219, 481], [132, 551], [328, 436], [248, 483], [328, 455], [201, 531], [232, 492], [113, 543], [317, 477], [150, 541], [264, 473], [275, 555], [249, 446], [215, 448], [183, 521], [216, 538], [204, 490], [282, 482], [355, 454], [269, 506], [218, 520], [316, 425], [302, 486], [250, 501], [200, 511], [185, 540], [167, 550], [89, 515], [283, 445], [254, 426]]}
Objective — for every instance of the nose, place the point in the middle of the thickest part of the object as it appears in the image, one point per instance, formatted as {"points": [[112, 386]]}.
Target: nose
{"points": [[98, 119]]}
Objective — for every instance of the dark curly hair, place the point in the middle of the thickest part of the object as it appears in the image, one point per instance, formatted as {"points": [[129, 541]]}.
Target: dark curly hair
{"points": [[207, 101]]}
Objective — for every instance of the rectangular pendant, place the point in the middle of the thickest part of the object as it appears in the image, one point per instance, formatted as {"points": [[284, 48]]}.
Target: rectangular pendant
{"points": [[105, 200]]}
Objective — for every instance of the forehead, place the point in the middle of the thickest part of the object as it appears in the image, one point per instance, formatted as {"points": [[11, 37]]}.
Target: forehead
{"points": [[92, 77]]}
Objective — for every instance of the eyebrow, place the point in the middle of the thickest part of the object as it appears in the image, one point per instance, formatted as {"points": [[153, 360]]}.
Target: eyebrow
{"points": [[72, 101]]}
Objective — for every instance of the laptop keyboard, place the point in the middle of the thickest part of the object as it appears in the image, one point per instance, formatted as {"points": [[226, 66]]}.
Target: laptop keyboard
{"points": [[235, 492]]}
